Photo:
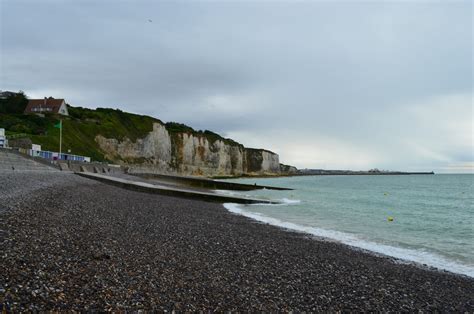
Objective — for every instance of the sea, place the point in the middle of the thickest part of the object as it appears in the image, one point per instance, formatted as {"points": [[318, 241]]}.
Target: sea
{"points": [[426, 219]]}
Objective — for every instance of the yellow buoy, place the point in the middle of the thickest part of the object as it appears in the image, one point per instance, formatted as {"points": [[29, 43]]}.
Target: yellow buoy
{"points": [[390, 218], [385, 193]]}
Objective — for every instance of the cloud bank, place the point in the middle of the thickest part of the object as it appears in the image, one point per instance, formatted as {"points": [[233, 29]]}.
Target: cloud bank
{"points": [[351, 85]]}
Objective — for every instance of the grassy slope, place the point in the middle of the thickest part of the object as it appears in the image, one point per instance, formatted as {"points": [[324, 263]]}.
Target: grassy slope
{"points": [[83, 125]]}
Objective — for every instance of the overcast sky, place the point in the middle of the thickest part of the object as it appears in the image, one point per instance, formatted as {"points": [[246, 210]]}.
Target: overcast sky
{"points": [[336, 85]]}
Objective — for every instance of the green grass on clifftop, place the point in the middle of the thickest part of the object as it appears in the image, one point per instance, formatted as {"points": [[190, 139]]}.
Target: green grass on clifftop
{"points": [[82, 126], [79, 129]]}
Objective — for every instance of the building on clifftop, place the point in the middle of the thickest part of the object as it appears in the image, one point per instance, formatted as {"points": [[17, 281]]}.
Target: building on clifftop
{"points": [[46, 105]]}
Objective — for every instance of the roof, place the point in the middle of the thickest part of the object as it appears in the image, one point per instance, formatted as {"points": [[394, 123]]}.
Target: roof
{"points": [[52, 103]]}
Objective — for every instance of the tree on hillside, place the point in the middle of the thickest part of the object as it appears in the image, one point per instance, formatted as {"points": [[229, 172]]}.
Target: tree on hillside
{"points": [[15, 103]]}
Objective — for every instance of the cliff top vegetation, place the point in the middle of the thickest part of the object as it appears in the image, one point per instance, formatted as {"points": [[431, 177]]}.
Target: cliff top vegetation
{"points": [[82, 126]]}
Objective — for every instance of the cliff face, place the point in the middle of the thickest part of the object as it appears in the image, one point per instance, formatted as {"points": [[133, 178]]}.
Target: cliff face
{"points": [[288, 170], [188, 154]]}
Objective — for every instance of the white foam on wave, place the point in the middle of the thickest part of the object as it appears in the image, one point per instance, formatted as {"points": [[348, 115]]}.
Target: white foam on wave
{"points": [[280, 202], [289, 201], [228, 192], [408, 255], [283, 201]]}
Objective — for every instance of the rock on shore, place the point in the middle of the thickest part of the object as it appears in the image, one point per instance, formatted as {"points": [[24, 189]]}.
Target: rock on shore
{"points": [[69, 243]]}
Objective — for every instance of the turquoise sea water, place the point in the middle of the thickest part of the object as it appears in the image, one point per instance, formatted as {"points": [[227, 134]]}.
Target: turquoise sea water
{"points": [[433, 215]]}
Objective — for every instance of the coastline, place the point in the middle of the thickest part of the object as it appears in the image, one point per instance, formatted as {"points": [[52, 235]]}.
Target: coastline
{"points": [[397, 254], [73, 243]]}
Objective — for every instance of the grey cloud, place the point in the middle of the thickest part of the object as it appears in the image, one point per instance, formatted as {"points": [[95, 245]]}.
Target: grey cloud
{"points": [[346, 70]]}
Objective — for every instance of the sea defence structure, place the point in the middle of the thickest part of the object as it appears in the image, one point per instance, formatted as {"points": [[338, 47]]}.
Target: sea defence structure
{"points": [[207, 183], [172, 191], [11, 161], [187, 153]]}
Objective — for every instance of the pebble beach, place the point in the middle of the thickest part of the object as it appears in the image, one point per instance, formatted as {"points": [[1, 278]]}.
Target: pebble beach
{"points": [[71, 243]]}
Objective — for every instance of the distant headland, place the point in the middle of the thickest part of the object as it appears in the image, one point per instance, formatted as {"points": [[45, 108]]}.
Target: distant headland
{"points": [[312, 172]]}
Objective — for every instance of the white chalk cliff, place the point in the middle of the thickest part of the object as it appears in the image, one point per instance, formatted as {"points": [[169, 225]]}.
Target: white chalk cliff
{"points": [[188, 153]]}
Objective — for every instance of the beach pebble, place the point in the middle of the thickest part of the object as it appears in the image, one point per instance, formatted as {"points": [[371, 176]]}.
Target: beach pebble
{"points": [[73, 244]]}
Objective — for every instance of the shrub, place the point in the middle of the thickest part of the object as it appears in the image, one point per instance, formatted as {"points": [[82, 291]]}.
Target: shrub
{"points": [[14, 104]]}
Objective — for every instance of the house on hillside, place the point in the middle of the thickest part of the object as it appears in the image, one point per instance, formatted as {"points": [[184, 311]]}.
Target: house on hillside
{"points": [[45, 105]]}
